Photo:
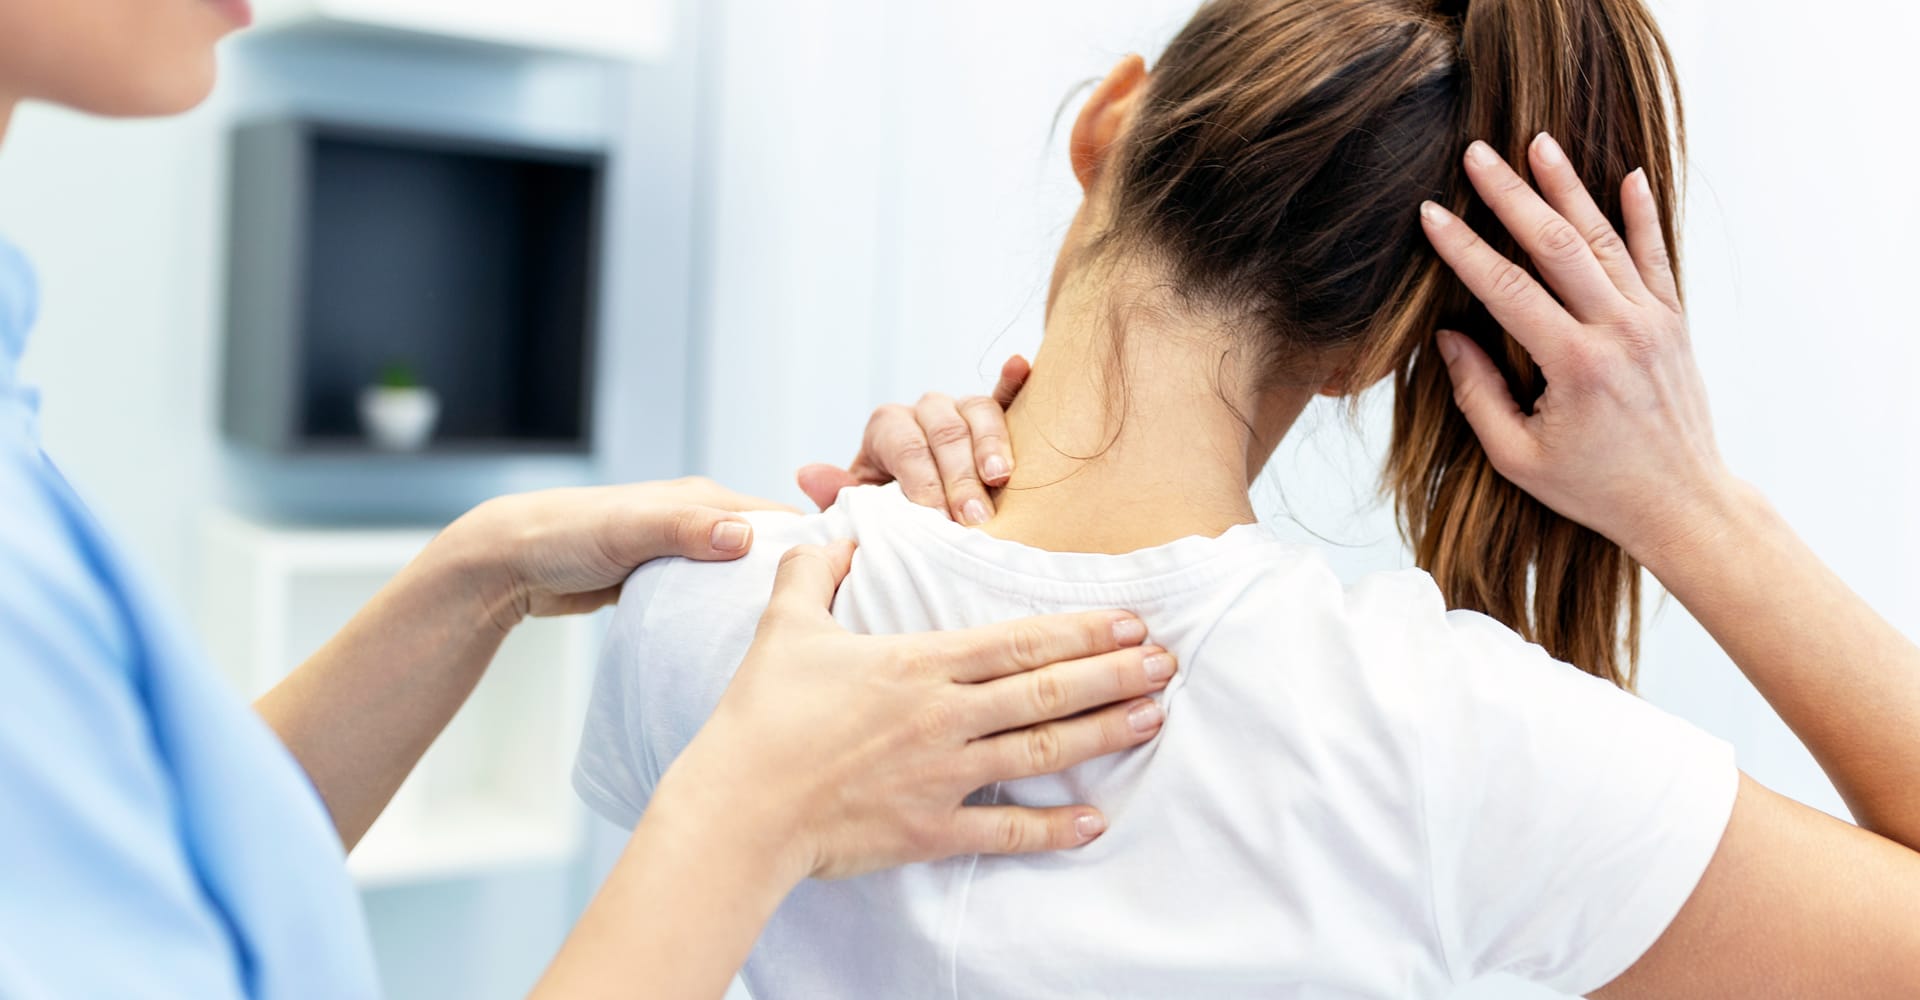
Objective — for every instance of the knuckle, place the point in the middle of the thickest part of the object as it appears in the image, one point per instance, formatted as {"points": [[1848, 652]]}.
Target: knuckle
{"points": [[1587, 362], [1009, 834], [1048, 695], [910, 661], [912, 451], [1027, 645], [1606, 242], [1508, 280], [689, 528], [1043, 750], [1558, 240], [890, 413], [1640, 341], [936, 722], [1466, 395], [945, 433], [935, 400]]}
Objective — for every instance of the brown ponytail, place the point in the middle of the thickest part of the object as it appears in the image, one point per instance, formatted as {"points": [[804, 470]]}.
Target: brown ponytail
{"points": [[1596, 75], [1276, 168]]}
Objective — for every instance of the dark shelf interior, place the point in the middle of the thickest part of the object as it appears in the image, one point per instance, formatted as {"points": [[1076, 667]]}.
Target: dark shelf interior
{"points": [[471, 264]]}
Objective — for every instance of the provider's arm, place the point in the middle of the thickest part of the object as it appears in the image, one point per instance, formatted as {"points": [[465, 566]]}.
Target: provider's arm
{"points": [[361, 711], [1794, 903]]}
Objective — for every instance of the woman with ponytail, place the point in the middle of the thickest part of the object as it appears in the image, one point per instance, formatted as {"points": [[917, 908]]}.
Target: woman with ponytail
{"points": [[1354, 791]]}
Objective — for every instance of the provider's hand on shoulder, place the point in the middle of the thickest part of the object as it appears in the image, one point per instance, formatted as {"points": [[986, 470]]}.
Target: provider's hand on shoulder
{"points": [[862, 749], [833, 754]]}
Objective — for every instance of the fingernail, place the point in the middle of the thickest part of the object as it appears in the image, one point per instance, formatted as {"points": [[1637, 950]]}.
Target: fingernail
{"points": [[1127, 631], [1090, 825], [1433, 213], [1159, 666], [1550, 152], [730, 536], [1640, 180], [974, 513], [1449, 347], [996, 468], [1145, 717], [1481, 153]]}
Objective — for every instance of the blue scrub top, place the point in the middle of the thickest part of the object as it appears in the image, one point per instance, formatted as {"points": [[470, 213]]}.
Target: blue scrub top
{"points": [[156, 839]]}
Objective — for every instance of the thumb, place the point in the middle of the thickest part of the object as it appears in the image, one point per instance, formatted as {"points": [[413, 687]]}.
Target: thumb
{"points": [[689, 530], [823, 483], [1483, 397], [808, 577], [1013, 375]]}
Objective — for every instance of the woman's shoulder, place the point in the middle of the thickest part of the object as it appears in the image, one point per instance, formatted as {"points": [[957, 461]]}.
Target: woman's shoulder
{"points": [[1388, 621], [676, 594]]}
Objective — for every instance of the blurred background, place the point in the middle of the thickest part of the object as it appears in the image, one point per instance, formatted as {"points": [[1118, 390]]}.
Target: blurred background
{"points": [[417, 253]]}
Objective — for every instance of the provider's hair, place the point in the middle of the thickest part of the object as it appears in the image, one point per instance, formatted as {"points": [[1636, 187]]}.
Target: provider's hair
{"points": [[1276, 166]]}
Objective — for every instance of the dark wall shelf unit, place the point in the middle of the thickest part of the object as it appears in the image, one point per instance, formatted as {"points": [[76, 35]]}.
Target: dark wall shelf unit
{"points": [[473, 264]]}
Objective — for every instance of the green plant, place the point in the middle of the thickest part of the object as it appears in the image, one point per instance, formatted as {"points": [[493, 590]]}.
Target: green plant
{"points": [[398, 375]]}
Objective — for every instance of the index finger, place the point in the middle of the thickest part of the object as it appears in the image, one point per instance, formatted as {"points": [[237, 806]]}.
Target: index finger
{"points": [[977, 655], [1516, 301]]}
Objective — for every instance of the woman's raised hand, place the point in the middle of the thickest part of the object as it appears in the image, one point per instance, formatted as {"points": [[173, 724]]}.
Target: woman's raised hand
{"points": [[1621, 440], [946, 453]]}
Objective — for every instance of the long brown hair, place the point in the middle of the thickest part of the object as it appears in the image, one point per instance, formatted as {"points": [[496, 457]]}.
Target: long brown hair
{"points": [[1276, 165]]}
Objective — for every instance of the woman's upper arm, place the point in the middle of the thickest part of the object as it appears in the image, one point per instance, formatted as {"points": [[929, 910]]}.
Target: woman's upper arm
{"points": [[1794, 903]]}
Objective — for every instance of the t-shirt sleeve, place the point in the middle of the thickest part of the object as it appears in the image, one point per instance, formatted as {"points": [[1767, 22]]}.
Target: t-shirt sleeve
{"points": [[1568, 821], [612, 773], [678, 633]]}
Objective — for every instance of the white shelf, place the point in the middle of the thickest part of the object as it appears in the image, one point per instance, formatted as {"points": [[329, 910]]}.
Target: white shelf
{"points": [[492, 792], [463, 841], [617, 29]]}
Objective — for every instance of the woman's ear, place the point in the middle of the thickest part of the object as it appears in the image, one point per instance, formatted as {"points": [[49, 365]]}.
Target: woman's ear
{"points": [[1104, 119]]}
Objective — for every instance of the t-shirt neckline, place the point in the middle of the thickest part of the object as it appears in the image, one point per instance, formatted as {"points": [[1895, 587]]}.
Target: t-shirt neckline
{"points": [[1188, 563]]}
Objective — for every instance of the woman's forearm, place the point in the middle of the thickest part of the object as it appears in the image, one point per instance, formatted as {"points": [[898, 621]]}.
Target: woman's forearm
{"points": [[362, 710], [1844, 680]]}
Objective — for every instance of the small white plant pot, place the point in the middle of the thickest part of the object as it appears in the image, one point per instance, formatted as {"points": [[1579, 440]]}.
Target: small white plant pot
{"points": [[399, 419]]}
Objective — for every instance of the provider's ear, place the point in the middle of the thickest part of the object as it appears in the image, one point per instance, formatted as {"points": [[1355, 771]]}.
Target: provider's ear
{"points": [[1104, 119]]}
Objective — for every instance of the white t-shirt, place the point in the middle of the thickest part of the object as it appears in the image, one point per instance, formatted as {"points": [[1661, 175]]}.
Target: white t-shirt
{"points": [[1356, 792]]}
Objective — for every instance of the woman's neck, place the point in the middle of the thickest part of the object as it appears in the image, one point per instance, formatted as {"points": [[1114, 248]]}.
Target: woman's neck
{"points": [[1134, 430]]}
